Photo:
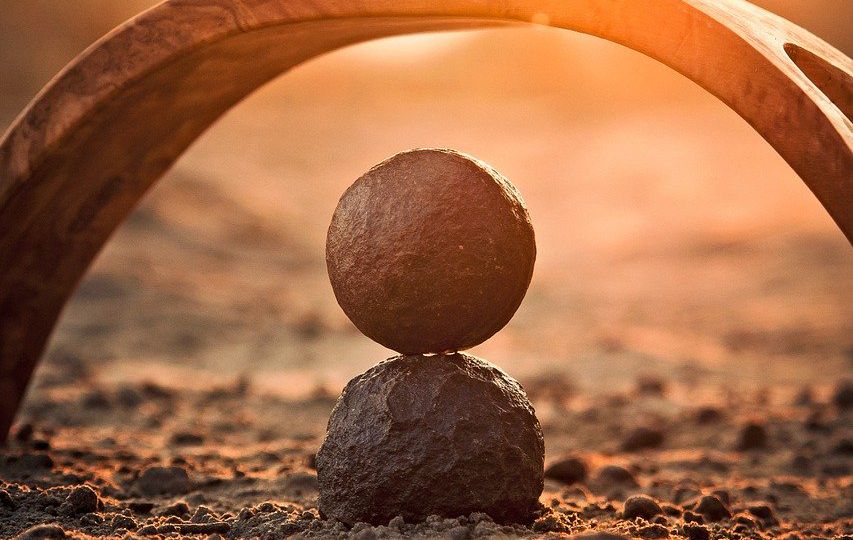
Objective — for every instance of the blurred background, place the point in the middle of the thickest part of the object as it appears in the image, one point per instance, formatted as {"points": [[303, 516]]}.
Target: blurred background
{"points": [[673, 241]]}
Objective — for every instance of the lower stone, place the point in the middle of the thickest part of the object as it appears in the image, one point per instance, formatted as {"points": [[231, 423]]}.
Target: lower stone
{"points": [[421, 435]]}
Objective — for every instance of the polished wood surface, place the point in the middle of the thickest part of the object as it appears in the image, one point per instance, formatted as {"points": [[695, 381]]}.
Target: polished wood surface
{"points": [[78, 159]]}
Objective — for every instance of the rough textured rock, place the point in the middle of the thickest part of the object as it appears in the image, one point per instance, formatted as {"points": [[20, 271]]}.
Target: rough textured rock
{"points": [[421, 435], [430, 251], [696, 532], [81, 500]]}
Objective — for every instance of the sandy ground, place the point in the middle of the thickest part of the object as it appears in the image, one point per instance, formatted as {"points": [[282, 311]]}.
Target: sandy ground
{"points": [[689, 321]]}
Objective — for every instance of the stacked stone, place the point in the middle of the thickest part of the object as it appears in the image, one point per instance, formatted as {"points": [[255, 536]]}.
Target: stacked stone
{"points": [[430, 253]]}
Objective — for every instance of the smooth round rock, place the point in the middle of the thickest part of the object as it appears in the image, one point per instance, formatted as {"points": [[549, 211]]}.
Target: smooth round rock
{"points": [[568, 470], [641, 506], [712, 508], [430, 251], [422, 435]]}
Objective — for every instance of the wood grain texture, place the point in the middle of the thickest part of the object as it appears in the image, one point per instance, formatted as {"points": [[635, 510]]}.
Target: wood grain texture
{"points": [[78, 159]]}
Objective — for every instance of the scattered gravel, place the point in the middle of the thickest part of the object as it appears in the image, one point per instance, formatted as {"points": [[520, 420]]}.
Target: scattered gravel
{"points": [[258, 483]]}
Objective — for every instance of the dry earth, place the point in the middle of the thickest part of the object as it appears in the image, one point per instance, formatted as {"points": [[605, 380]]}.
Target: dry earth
{"points": [[687, 336]]}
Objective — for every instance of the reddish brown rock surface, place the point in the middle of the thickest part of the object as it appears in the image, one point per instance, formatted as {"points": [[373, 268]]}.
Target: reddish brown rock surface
{"points": [[430, 251], [421, 435]]}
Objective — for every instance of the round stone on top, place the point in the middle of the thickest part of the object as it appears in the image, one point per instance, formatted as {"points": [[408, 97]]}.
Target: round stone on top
{"points": [[430, 251]]}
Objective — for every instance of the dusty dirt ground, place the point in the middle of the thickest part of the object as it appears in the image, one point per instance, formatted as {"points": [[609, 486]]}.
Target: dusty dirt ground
{"points": [[688, 334]]}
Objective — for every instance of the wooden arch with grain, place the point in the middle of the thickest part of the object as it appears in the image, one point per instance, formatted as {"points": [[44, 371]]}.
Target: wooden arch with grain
{"points": [[78, 159]]}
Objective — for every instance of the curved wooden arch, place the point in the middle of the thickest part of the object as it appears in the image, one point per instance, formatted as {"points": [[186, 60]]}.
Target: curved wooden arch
{"points": [[78, 159]]}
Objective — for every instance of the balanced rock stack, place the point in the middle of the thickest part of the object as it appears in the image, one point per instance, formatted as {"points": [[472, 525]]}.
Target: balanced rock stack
{"points": [[430, 253]]}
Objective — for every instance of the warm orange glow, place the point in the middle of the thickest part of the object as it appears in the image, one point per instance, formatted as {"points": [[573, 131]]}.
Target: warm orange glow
{"points": [[687, 332]]}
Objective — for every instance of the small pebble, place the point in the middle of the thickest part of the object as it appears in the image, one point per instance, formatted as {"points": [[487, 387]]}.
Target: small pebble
{"points": [[671, 510], [140, 507], [612, 477], [42, 531], [651, 385], [692, 517], [569, 470], [96, 399], [553, 522], [843, 446], [82, 500], [801, 464], [46, 499], [204, 514], [843, 395], [91, 519], [655, 530], [128, 397], [642, 438], [147, 530], [762, 511], [641, 506], [41, 445], [696, 532], [753, 436], [816, 421], [177, 509], [745, 521], [155, 391], [712, 508], [723, 495], [804, 397], [186, 438], [123, 522], [163, 481], [835, 469], [708, 415]]}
